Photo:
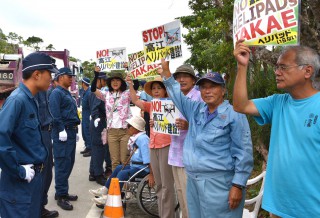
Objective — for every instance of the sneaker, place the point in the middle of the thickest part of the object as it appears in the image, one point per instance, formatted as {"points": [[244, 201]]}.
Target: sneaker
{"points": [[101, 200], [99, 192]]}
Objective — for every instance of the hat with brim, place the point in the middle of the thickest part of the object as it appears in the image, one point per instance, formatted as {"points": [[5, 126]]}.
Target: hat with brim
{"points": [[212, 77], [148, 86], [185, 68], [102, 75], [86, 80], [38, 61], [137, 122], [116, 75], [65, 71]]}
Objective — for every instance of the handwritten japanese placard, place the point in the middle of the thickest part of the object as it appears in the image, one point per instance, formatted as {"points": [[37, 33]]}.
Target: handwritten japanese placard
{"points": [[164, 114], [162, 42], [266, 22], [138, 68], [111, 59]]}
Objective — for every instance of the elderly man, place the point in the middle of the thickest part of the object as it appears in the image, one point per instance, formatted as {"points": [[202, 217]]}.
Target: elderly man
{"points": [[292, 179], [217, 152], [22, 152]]}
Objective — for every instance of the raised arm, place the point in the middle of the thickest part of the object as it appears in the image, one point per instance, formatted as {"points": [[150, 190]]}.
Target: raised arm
{"points": [[94, 82], [241, 103], [133, 94]]}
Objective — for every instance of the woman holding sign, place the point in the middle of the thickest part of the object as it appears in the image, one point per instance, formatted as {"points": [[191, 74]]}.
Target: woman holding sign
{"points": [[117, 101], [159, 150]]}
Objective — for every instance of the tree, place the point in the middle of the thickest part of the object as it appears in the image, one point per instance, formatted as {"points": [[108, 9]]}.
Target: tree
{"points": [[33, 42], [50, 47]]}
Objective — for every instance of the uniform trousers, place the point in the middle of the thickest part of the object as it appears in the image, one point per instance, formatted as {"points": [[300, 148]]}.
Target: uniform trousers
{"points": [[64, 156], [47, 171], [85, 129]]}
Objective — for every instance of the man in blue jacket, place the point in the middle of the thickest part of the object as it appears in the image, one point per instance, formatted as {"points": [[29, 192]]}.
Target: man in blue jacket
{"points": [[22, 152], [64, 134]]}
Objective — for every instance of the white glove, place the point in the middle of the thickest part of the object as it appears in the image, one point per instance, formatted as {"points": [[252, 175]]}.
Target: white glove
{"points": [[77, 137], [29, 172], [96, 122], [63, 136], [90, 118]]}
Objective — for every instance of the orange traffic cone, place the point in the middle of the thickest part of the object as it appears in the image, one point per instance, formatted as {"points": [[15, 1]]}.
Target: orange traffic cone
{"points": [[113, 207]]}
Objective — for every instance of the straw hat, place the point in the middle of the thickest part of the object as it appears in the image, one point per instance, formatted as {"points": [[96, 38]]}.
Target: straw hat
{"points": [[137, 122], [148, 85]]}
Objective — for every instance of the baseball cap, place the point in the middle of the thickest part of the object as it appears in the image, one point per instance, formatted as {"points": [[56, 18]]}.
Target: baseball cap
{"points": [[213, 77], [38, 61]]}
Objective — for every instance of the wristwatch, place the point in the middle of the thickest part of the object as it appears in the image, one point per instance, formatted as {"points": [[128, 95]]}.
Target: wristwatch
{"points": [[238, 186]]}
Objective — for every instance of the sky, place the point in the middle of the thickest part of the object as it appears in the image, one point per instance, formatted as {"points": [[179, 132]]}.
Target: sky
{"points": [[86, 26]]}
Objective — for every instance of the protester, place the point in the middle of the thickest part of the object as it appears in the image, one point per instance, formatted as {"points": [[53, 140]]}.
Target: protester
{"points": [[64, 135], [97, 124], [117, 103], [22, 152], [292, 181], [46, 122], [185, 76], [145, 97], [159, 149], [217, 152], [139, 147], [85, 122]]}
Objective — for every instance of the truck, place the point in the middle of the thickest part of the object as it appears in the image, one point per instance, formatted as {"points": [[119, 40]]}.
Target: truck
{"points": [[11, 71]]}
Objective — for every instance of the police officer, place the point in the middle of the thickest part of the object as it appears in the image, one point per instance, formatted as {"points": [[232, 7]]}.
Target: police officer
{"points": [[97, 124], [22, 152], [45, 118], [65, 127], [86, 117]]}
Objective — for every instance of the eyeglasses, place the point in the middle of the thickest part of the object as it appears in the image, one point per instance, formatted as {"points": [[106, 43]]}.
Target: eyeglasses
{"points": [[283, 68]]}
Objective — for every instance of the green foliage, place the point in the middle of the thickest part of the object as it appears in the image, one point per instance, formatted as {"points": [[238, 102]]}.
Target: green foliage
{"points": [[50, 47], [88, 69], [33, 42]]}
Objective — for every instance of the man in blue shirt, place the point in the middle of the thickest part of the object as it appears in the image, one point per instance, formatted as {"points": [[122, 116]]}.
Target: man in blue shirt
{"points": [[217, 152], [292, 180], [22, 153], [85, 123], [64, 135]]}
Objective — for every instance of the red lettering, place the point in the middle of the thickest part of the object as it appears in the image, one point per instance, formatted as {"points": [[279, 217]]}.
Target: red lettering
{"points": [[286, 17], [103, 53], [153, 34], [156, 106], [254, 29], [273, 24]]}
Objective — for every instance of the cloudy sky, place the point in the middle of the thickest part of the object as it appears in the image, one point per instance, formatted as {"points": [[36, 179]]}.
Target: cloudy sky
{"points": [[85, 26]]}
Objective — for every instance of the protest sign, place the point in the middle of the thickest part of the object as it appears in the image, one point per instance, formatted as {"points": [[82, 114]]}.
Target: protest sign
{"points": [[138, 68], [111, 59], [164, 114], [266, 22], [162, 42]]}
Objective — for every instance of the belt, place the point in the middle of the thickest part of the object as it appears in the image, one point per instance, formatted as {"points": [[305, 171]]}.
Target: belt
{"points": [[71, 127], [138, 163], [38, 168], [47, 127]]}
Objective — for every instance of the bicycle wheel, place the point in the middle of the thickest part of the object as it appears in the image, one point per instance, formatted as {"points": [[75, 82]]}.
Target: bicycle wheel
{"points": [[147, 198]]}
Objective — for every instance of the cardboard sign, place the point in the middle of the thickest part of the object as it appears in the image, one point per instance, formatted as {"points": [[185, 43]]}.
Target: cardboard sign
{"points": [[266, 22], [111, 59], [164, 115], [162, 42]]}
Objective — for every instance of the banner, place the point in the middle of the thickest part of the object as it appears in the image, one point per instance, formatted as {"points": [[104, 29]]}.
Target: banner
{"points": [[139, 69], [266, 22], [111, 59], [164, 115], [162, 42]]}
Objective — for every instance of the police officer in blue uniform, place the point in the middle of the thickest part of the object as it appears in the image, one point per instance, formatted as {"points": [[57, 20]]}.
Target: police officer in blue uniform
{"points": [[46, 119], [86, 118], [64, 134], [97, 124], [22, 153]]}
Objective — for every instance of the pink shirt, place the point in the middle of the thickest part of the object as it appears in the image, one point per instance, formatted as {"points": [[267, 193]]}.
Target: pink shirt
{"points": [[122, 100], [157, 140], [176, 147]]}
